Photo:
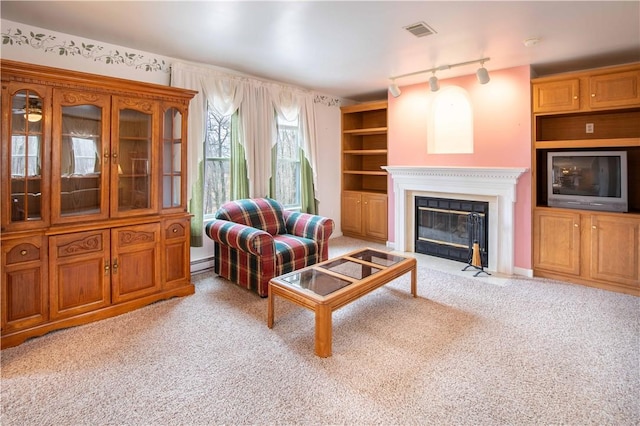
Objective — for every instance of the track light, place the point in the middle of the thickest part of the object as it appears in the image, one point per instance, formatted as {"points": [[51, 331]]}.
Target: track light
{"points": [[433, 83], [482, 74], [394, 89]]}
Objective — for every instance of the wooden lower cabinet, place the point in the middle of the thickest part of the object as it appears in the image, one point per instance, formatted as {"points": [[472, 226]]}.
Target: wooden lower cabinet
{"points": [[177, 270], [72, 278], [25, 291], [364, 215], [135, 262], [80, 273], [595, 249], [557, 236], [615, 251]]}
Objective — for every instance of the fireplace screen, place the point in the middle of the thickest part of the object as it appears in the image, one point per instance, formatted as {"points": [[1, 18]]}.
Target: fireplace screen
{"points": [[443, 229]]}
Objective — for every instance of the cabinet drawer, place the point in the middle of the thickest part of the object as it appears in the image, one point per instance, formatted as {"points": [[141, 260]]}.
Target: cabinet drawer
{"points": [[176, 230], [23, 252]]}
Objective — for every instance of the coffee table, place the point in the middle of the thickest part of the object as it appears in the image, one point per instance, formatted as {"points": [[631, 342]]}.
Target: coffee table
{"points": [[330, 285]]}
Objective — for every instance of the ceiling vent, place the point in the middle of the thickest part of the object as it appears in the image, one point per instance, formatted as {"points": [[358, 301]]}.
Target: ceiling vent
{"points": [[419, 29]]}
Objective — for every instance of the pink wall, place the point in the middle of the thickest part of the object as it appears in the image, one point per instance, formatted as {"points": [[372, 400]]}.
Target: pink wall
{"points": [[502, 137]]}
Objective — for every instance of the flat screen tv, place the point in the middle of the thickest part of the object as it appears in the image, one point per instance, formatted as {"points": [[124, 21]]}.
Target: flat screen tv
{"points": [[590, 180]]}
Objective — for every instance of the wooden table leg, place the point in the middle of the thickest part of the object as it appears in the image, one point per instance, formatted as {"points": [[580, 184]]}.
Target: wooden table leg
{"points": [[414, 278], [270, 307], [323, 331]]}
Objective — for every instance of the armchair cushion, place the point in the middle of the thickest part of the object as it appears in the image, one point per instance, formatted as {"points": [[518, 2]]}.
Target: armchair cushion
{"points": [[257, 239], [261, 213]]}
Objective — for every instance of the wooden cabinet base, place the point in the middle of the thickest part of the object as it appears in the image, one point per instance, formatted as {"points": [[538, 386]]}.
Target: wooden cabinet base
{"points": [[634, 291], [18, 337]]}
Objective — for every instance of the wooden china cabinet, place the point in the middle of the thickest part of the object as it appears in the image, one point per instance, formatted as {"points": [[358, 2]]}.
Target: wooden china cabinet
{"points": [[93, 205]]}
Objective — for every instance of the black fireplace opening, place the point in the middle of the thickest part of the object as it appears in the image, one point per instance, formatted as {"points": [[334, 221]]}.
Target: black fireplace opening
{"points": [[445, 228]]}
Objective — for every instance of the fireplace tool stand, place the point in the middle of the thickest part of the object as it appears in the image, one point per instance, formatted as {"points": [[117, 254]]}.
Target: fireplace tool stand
{"points": [[476, 254]]}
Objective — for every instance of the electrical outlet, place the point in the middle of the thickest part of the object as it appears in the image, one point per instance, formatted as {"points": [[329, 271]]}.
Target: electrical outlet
{"points": [[589, 128]]}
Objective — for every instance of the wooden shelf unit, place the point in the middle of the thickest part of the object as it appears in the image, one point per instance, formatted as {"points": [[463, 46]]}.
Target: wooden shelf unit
{"points": [[364, 182], [599, 249]]}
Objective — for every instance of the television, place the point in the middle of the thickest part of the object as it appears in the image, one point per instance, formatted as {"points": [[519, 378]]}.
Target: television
{"points": [[589, 180]]}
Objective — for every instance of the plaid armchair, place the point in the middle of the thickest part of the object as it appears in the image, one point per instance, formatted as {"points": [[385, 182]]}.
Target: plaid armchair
{"points": [[257, 239]]}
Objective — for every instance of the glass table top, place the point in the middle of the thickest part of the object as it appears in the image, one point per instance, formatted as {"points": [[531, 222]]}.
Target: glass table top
{"points": [[324, 284], [378, 257]]}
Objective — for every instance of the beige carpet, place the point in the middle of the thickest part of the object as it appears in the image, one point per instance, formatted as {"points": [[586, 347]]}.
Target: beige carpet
{"points": [[466, 351]]}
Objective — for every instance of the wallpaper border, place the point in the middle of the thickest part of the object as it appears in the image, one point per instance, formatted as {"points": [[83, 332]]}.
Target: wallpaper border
{"points": [[87, 50]]}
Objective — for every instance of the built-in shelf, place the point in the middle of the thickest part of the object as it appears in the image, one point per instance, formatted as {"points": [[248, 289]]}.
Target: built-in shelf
{"points": [[370, 131], [364, 182]]}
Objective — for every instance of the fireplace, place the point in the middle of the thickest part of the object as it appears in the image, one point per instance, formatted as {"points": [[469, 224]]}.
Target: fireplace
{"points": [[447, 228], [494, 185]]}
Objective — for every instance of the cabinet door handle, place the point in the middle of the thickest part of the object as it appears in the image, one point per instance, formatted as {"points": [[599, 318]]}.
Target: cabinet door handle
{"points": [[115, 265], [106, 267], [23, 252], [575, 96], [115, 155], [106, 153], [594, 227], [593, 95], [575, 224]]}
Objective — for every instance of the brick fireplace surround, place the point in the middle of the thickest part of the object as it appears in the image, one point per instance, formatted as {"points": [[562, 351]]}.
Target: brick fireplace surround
{"points": [[495, 185]]}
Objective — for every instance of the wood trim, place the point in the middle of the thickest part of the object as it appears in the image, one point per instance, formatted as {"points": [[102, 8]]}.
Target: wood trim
{"points": [[58, 77]]}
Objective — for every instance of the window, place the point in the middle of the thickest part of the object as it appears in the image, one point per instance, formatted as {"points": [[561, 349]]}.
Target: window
{"points": [[218, 157], [287, 164], [217, 162], [25, 156], [84, 156]]}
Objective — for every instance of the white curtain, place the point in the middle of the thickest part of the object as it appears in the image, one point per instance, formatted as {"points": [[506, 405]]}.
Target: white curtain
{"points": [[224, 94], [291, 104], [256, 101], [257, 134]]}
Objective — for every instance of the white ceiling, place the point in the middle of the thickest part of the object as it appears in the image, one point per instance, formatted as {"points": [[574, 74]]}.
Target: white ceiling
{"points": [[350, 49]]}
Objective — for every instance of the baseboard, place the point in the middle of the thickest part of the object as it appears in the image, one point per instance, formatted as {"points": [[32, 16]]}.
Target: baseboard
{"points": [[523, 272], [201, 265]]}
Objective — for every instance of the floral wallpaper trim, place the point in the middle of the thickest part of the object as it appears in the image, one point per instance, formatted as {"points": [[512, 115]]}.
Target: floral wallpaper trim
{"points": [[326, 100], [93, 51]]}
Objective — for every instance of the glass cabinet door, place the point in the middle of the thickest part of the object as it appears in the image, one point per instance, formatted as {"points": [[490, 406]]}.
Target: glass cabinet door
{"points": [[172, 159], [134, 159], [81, 156], [24, 177]]}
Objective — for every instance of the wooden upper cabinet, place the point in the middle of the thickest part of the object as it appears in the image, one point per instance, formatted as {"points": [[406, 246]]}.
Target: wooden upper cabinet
{"points": [[614, 90], [26, 120], [134, 156], [174, 157], [593, 90], [557, 96], [80, 159]]}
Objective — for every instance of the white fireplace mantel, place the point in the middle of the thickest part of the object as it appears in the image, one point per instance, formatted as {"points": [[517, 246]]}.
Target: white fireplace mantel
{"points": [[495, 185]]}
